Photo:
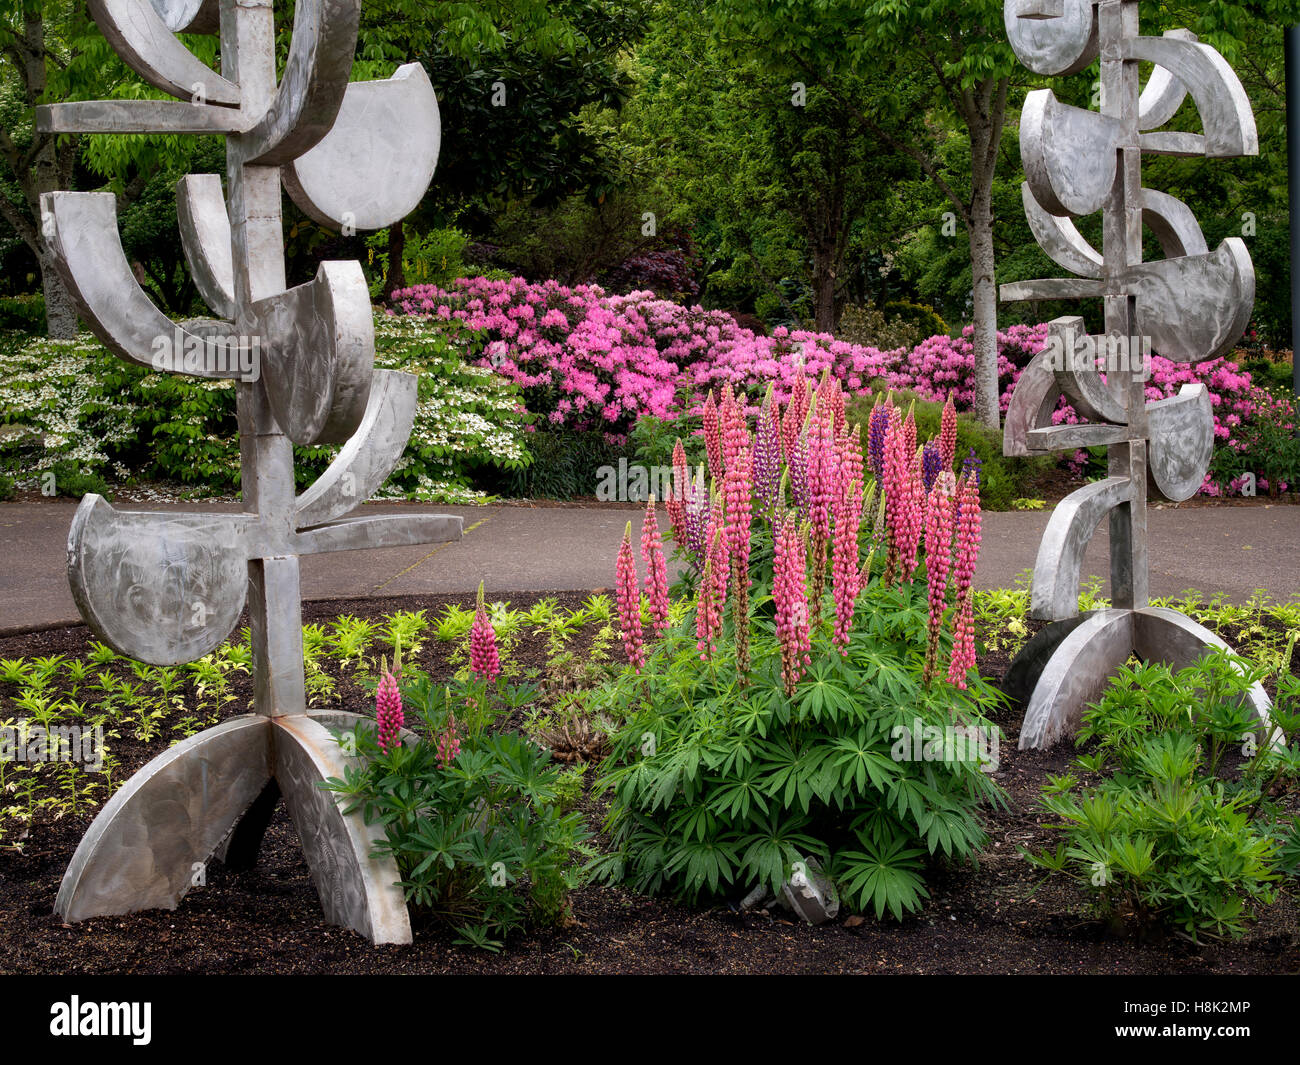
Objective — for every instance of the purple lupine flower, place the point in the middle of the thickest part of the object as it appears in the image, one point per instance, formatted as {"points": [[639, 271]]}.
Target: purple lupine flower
{"points": [[931, 464], [767, 453], [877, 426]]}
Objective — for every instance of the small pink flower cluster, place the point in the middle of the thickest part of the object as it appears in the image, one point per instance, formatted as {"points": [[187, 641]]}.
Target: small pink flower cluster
{"points": [[629, 602], [389, 716], [483, 657], [790, 592], [448, 743], [967, 551]]}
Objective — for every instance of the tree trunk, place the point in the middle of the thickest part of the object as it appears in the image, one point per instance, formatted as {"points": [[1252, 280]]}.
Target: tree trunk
{"points": [[984, 295], [985, 118], [823, 281], [60, 311]]}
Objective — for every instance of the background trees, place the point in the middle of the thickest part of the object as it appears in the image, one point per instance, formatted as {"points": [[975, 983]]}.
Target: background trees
{"points": [[782, 161]]}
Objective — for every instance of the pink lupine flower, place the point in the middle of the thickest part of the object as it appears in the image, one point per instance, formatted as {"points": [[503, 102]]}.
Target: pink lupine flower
{"points": [[712, 593], [389, 716], [483, 657], [845, 574], [713, 438], [629, 602], [790, 593], [675, 504], [938, 563], [948, 434], [796, 411], [656, 569], [967, 554], [822, 490], [448, 743]]}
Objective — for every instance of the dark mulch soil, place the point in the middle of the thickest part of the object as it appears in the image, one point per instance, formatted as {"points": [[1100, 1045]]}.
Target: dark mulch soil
{"points": [[992, 918]]}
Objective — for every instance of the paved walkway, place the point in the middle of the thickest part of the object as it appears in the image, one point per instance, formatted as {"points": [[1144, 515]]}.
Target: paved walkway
{"points": [[1233, 550]]}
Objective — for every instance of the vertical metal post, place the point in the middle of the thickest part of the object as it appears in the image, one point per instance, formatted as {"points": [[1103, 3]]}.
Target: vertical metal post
{"points": [[1292, 49]]}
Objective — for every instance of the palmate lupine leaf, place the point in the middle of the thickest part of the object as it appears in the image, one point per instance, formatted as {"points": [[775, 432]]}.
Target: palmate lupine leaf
{"points": [[884, 878]]}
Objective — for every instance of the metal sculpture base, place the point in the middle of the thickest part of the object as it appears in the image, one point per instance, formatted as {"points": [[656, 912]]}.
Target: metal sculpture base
{"points": [[213, 795], [1067, 665]]}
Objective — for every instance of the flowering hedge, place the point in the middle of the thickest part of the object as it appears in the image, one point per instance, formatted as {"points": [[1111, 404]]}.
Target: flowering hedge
{"points": [[99, 415], [586, 359]]}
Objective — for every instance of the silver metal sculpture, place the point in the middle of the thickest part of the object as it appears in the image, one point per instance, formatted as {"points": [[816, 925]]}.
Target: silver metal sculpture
{"points": [[168, 588], [1190, 306]]}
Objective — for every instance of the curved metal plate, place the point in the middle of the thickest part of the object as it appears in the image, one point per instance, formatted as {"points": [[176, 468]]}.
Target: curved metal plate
{"points": [[374, 165], [205, 236], [141, 851], [1070, 155], [88, 253], [140, 36], [369, 456], [1052, 36], [1036, 393], [189, 16], [318, 351], [161, 588], [1195, 307], [1173, 223], [1079, 376], [1164, 635], [1060, 238], [312, 86], [1054, 595], [1163, 93], [356, 890], [1022, 675], [1226, 116], [1075, 675], [1182, 442]]}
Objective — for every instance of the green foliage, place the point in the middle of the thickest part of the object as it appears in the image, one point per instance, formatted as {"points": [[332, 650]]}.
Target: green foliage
{"points": [[26, 313], [479, 839], [1183, 831], [564, 465], [718, 785]]}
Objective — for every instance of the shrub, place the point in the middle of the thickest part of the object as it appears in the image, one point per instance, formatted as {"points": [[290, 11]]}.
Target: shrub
{"points": [[1183, 831], [871, 327], [103, 416], [795, 730], [472, 818]]}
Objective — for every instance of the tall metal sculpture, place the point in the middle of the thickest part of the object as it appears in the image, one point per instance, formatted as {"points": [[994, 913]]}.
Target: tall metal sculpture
{"points": [[1190, 306], [168, 588]]}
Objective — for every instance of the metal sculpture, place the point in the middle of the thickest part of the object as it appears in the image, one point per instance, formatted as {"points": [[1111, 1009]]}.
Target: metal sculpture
{"points": [[1190, 306], [168, 588]]}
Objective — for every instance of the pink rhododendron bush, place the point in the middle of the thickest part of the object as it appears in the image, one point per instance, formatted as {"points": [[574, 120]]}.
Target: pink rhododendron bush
{"points": [[587, 359]]}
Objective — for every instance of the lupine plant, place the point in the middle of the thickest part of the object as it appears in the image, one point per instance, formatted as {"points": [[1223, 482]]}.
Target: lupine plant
{"points": [[765, 734]]}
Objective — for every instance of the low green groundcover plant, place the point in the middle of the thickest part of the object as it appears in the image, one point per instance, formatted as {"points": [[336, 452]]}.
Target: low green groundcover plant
{"points": [[1183, 826], [812, 720]]}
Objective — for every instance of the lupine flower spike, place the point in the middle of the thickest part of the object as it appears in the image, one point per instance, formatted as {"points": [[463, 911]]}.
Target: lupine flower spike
{"points": [[483, 657], [790, 593], [938, 563], [948, 434], [656, 568], [967, 552], [629, 602], [389, 717]]}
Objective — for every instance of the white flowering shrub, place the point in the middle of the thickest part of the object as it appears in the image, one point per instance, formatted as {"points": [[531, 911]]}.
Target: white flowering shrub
{"points": [[102, 416]]}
